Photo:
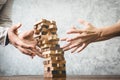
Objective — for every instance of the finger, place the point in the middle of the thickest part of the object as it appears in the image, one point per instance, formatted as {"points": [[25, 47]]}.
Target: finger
{"points": [[33, 51], [74, 49], [24, 51], [75, 45], [66, 48], [27, 35], [15, 27], [73, 27], [87, 24], [82, 47], [24, 45], [17, 42], [40, 55], [75, 31], [82, 36], [38, 22], [39, 52], [63, 39], [66, 45], [32, 56], [30, 52], [30, 32], [74, 38]]}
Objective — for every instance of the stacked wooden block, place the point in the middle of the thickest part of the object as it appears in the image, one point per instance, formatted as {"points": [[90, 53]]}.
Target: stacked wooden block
{"points": [[46, 36]]}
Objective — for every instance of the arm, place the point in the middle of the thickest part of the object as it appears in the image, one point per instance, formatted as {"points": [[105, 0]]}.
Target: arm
{"points": [[109, 32], [8, 33], [5, 20], [90, 34]]}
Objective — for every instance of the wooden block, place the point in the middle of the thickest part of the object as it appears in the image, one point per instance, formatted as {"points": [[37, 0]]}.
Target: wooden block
{"points": [[36, 31], [49, 74], [46, 55], [53, 37], [54, 76], [39, 22], [48, 22], [53, 27], [59, 52], [61, 70], [53, 22], [35, 27], [53, 52], [49, 52], [47, 46], [58, 72], [44, 33], [55, 68], [53, 32], [60, 65], [44, 29], [47, 40], [37, 36], [50, 42], [56, 47], [39, 27], [44, 26], [55, 65], [47, 62], [59, 58]]}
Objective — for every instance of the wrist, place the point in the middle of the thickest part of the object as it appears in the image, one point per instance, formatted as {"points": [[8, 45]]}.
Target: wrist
{"points": [[98, 34]]}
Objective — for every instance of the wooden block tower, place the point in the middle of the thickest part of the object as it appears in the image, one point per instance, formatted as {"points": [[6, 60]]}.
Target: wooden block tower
{"points": [[47, 40]]}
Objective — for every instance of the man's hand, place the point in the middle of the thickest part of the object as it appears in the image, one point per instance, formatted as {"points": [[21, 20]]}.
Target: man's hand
{"points": [[24, 41], [82, 37]]}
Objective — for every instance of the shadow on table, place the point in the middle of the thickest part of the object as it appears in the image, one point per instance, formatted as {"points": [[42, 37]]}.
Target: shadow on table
{"points": [[54, 78]]}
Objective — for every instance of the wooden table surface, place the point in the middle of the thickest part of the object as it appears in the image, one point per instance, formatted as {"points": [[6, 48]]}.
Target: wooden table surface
{"points": [[81, 77]]}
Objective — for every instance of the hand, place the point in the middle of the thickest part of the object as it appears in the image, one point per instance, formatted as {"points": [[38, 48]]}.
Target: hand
{"points": [[83, 37], [24, 41]]}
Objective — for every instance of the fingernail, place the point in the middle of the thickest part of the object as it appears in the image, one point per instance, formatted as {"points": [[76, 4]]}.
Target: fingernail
{"points": [[67, 40], [18, 24], [32, 57], [67, 32]]}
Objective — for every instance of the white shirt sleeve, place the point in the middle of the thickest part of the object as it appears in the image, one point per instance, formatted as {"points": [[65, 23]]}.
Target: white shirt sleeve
{"points": [[5, 20], [3, 36]]}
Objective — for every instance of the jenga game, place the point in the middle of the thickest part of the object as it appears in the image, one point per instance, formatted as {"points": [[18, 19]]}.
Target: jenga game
{"points": [[46, 35]]}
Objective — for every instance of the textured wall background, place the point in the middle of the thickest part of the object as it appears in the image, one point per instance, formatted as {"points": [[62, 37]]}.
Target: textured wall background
{"points": [[101, 58]]}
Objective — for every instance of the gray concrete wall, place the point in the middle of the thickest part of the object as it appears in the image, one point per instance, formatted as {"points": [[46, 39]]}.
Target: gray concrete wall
{"points": [[101, 58]]}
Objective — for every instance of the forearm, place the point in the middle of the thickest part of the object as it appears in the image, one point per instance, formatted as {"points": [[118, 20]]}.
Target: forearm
{"points": [[109, 32]]}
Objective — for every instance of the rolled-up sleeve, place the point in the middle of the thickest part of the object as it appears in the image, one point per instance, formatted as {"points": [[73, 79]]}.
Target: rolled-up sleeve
{"points": [[5, 20], [3, 36]]}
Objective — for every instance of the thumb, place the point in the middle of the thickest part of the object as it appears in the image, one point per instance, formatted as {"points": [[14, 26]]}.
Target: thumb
{"points": [[73, 27], [85, 23], [15, 27], [28, 34]]}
